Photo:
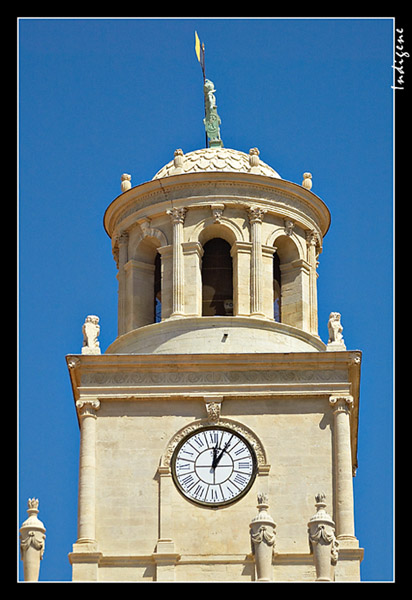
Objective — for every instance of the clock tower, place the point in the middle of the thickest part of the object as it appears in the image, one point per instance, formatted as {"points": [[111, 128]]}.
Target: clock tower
{"points": [[218, 431]]}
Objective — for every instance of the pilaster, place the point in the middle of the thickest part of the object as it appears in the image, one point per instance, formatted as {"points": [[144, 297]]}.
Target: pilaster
{"points": [[313, 244], [87, 409], [123, 242], [344, 509]]}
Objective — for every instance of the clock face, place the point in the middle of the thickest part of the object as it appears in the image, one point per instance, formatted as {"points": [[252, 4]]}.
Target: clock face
{"points": [[214, 466]]}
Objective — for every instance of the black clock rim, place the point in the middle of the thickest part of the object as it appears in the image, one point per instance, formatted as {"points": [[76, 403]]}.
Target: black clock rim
{"points": [[223, 503]]}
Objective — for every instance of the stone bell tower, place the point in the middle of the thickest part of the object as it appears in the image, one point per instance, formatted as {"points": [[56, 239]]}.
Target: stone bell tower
{"points": [[218, 416]]}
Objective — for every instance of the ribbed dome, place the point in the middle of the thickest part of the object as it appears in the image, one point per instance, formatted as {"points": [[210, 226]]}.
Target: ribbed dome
{"points": [[217, 159]]}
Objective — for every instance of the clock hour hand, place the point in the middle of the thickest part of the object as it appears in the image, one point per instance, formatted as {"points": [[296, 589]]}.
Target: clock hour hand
{"points": [[216, 458]]}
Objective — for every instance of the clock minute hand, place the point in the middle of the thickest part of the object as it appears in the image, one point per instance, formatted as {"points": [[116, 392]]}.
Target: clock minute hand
{"points": [[217, 458]]}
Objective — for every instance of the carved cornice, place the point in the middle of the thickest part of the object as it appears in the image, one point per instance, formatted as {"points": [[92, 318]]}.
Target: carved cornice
{"points": [[278, 196]]}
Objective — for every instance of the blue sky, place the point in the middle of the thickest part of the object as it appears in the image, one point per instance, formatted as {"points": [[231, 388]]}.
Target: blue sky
{"points": [[100, 97]]}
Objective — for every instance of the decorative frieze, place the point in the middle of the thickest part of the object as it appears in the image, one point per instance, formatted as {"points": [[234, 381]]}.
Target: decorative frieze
{"points": [[105, 378]]}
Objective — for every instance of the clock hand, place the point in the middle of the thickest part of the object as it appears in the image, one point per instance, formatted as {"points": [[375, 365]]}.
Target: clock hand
{"points": [[214, 456], [217, 459]]}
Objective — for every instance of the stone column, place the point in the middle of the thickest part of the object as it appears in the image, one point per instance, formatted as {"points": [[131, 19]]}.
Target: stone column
{"points": [[86, 533], [322, 541], [312, 240], [177, 216], [123, 243], [344, 514], [256, 215], [32, 538], [262, 536]]}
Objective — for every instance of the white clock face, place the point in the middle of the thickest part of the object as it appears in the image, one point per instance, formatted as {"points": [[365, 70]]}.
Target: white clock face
{"points": [[214, 466]]}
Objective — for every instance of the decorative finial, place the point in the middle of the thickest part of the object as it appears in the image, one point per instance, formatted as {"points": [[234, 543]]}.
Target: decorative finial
{"points": [[322, 541], [307, 181], [212, 119], [125, 182], [32, 540], [262, 537], [254, 160], [178, 161]]}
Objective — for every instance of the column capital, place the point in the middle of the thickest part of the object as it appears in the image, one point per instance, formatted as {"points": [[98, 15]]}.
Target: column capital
{"points": [[256, 214], [177, 215], [123, 237], [341, 403], [87, 407]]}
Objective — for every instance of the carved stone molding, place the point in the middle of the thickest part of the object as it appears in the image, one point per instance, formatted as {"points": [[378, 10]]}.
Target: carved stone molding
{"points": [[213, 407], [217, 212], [247, 433]]}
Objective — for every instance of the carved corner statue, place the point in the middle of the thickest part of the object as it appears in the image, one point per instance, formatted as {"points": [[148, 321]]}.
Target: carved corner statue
{"points": [[336, 341], [212, 119], [91, 330]]}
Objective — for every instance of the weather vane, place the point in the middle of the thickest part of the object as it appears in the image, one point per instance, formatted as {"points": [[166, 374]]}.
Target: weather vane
{"points": [[212, 120]]}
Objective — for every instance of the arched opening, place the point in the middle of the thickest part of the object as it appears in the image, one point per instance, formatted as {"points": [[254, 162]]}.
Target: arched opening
{"points": [[157, 293], [217, 278], [143, 285], [277, 296], [287, 285]]}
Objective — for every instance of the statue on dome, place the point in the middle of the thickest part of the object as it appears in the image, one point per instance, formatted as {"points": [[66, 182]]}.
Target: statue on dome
{"points": [[212, 119]]}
